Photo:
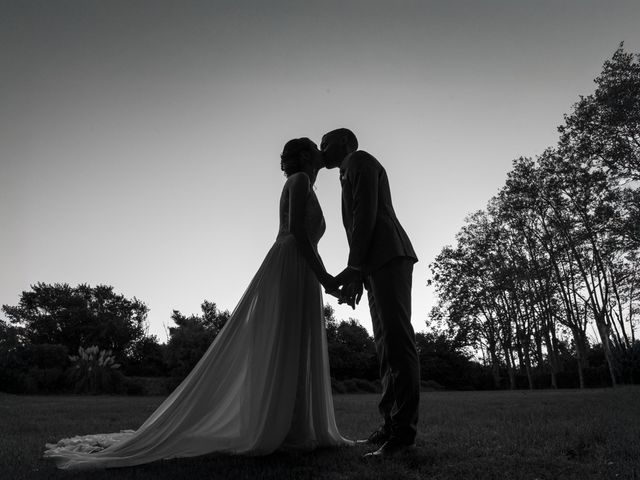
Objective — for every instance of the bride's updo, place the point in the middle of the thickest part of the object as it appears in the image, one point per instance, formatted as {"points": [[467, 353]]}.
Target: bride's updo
{"points": [[290, 158]]}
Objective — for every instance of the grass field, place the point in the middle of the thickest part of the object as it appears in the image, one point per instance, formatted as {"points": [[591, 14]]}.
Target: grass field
{"points": [[593, 434]]}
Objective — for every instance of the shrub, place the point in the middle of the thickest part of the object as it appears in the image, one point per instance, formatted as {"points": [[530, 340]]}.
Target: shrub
{"points": [[46, 355], [430, 386], [349, 385], [17, 382], [47, 380], [13, 370], [355, 385], [336, 386], [151, 385], [628, 362], [32, 368], [134, 386], [367, 386], [172, 383], [95, 371]]}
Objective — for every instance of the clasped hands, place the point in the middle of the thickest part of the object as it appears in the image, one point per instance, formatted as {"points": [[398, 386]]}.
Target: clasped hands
{"points": [[347, 287]]}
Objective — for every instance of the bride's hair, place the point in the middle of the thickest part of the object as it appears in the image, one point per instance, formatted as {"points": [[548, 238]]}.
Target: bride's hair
{"points": [[290, 157]]}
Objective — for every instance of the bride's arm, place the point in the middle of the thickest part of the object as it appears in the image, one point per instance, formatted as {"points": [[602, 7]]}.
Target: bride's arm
{"points": [[299, 188]]}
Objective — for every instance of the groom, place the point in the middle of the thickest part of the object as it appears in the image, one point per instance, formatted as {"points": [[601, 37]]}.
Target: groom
{"points": [[381, 258]]}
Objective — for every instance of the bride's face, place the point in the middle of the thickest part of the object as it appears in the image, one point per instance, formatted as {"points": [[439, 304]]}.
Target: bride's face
{"points": [[314, 158]]}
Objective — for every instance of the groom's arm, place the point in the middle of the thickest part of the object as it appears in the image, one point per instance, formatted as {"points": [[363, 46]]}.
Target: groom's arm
{"points": [[363, 178]]}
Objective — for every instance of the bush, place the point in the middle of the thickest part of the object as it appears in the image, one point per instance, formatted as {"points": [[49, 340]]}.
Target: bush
{"points": [[47, 380], [336, 386], [628, 362], [46, 356], [172, 383], [150, 385], [134, 387], [355, 385], [430, 386], [367, 386], [32, 369], [13, 370], [95, 371], [17, 382], [597, 376]]}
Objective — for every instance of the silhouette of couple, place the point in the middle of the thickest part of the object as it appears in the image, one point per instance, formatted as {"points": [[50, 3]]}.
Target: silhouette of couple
{"points": [[264, 383]]}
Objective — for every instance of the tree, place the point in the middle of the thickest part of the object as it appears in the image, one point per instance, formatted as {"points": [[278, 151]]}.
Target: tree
{"points": [[146, 359], [352, 351], [443, 359], [352, 354], [191, 337], [559, 245], [605, 126], [78, 316]]}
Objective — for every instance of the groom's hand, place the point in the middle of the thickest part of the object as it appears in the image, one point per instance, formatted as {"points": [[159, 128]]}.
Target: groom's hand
{"points": [[351, 293]]}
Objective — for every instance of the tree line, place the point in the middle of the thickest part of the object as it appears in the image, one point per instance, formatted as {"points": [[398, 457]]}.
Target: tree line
{"points": [[87, 339], [550, 269]]}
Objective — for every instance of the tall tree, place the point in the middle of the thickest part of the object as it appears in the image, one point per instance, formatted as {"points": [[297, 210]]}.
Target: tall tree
{"points": [[192, 336], [78, 316], [605, 126]]}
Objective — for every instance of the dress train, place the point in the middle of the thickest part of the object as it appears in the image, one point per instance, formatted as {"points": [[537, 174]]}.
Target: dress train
{"points": [[263, 384]]}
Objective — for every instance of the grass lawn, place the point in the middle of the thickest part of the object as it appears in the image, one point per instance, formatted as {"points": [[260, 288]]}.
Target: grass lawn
{"points": [[592, 434]]}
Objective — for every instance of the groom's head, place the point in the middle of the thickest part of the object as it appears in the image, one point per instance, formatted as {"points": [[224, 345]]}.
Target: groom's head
{"points": [[336, 145]]}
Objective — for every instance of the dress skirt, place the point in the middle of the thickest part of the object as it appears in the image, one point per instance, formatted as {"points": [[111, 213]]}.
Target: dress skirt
{"points": [[263, 384]]}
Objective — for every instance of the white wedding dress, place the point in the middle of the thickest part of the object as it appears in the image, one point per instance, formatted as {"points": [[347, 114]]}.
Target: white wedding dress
{"points": [[262, 385]]}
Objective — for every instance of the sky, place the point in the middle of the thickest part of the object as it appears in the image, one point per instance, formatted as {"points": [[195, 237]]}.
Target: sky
{"points": [[140, 140]]}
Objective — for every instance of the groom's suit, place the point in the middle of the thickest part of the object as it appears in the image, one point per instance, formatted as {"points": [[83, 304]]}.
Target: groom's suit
{"points": [[381, 250]]}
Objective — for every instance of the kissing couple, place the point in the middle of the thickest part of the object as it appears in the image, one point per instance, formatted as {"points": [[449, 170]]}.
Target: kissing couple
{"points": [[264, 384]]}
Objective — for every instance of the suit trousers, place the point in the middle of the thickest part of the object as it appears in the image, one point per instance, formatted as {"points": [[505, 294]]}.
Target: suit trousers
{"points": [[389, 294]]}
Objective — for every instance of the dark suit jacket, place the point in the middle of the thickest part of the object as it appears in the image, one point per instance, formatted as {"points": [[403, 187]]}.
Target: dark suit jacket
{"points": [[374, 233]]}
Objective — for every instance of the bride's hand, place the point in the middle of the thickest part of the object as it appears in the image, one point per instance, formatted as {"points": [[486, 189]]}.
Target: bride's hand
{"points": [[331, 287], [334, 293]]}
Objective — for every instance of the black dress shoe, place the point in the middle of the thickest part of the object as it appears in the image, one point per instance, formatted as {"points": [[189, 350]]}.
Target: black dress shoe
{"points": [[392, 448], [376, 438]]}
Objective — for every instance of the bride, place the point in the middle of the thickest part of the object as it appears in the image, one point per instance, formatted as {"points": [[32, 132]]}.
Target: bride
{"points": [[263, 384]]}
